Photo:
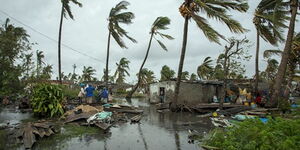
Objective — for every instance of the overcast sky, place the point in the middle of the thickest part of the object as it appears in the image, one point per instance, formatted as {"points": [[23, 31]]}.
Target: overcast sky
{"points": [[88, 34]]}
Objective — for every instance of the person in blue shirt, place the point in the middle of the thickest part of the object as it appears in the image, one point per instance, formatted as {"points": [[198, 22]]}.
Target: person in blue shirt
{"points": [[104, 95], [89, 94]]}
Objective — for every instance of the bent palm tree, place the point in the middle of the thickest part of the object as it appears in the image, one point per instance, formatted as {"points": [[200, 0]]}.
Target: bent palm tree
{"points": [[205, 69], [160, 23], [286, 53], [269, 18], [122, 70], [215, 9], [65, 10], [116, 17], [146, 77]]}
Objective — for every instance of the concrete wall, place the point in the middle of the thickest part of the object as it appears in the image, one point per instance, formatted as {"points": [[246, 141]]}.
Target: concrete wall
{"points": [[169, 91], [190, 93]]}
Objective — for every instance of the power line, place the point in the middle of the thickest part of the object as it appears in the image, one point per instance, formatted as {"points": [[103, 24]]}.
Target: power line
{"points": [[49, 38]]}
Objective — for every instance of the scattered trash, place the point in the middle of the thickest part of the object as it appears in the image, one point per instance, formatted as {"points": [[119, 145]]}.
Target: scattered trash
{"points": [[243, 117], [83, 109], [136, 119], [29, 131], [100, 117], [107, 105], [295, 106], [264, 120], [221, 122]]}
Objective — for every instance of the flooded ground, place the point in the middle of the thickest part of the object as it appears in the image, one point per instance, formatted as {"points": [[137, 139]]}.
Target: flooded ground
{"points": [[167, 131]]}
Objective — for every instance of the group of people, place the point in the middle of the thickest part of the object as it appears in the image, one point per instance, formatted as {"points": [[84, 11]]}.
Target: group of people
{"points": [[86, 94]]}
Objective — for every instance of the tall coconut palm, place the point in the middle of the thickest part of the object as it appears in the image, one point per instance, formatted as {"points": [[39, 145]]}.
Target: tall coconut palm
{"points": [[205, 69], [122, 70], [286, 53], [28, 64], [87, 73], [166, 73], [117, 17], [269, 18], [65, 11], [214, 9], [159, 24], [39, 62], [293, 60]]}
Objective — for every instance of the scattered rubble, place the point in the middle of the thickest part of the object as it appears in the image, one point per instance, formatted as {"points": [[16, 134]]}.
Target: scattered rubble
{"points": [[30, 132]]}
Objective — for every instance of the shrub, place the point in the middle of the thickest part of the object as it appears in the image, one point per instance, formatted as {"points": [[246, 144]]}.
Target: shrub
{"points": [[280, 134], [47, 100]]}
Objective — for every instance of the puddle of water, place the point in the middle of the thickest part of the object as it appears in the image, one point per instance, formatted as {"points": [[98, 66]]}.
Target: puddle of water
{"points": [[13, 116], [156, 131]]}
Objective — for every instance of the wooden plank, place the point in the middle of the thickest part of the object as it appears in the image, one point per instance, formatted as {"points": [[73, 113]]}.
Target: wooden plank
{"points": [[136, 118]]}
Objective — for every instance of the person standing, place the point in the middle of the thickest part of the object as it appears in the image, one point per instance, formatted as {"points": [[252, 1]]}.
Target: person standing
{"points": [[89, 94], [104, 95], [81, 93]]}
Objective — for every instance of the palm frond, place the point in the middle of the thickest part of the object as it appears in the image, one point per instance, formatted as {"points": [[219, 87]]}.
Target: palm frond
{"points": [[239, 5], [162, 45], [208, 31], [165, 36], [118, 39], [269, 53], [120, 6], [161, 23]]}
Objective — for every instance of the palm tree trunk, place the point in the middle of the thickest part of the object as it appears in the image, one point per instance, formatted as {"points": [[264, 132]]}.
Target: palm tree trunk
{"points": [[129, 95], [184, 43], [256, 62], [285, 55], [107, 59], [59, 44]]}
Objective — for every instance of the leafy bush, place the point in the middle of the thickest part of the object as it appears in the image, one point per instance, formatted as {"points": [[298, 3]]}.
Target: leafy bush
{"points": [[47, 100], [279, 134]]}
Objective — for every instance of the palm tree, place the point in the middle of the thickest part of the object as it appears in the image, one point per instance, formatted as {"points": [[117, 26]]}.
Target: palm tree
{"points": [[122, 70], [286, 52], [65, 10], [185, 75], [110, 78], [193, 77], [159, 24], [87, 73], [28, 65], [205, 69], [39, 62], [166, 73], [269, 18], [116, 17], [293, 60], [216, 9], [146, 77], [47, 72]]}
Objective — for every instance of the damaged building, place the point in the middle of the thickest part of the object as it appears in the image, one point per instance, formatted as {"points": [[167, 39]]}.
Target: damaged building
{"points": [[191, 92]]}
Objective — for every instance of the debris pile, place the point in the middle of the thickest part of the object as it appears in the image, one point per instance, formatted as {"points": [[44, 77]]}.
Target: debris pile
{"points": [[30, 132], [103, 117]]}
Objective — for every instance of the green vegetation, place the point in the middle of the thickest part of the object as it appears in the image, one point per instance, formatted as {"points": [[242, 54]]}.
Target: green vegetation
{"points": [[47, 100], [252, 134]]}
